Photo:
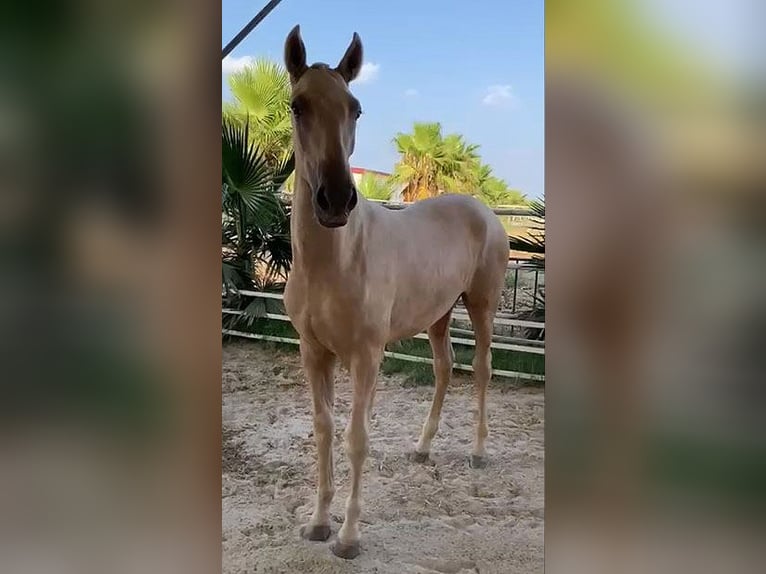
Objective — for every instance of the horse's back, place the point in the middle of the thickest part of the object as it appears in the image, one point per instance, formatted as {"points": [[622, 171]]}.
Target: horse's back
{"points": [[462, 218]]}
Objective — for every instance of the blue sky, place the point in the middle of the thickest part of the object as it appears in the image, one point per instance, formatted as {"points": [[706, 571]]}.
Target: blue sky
{"points": [[479, 70]]}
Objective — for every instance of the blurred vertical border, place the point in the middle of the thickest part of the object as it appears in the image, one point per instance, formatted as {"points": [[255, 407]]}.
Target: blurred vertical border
{"points": [[656, 379], [110, 286]]}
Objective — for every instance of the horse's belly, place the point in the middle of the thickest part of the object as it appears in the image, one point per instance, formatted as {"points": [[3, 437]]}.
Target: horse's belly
{"points": [[413, 314]]}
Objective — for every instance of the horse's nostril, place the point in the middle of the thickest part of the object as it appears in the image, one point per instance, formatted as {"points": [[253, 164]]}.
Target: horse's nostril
{"points": [[352, 200], [322, 201]]}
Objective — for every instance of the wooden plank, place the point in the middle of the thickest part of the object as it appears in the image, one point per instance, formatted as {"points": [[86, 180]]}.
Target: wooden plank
{"points": [[457, 340], [499, 338], [261, 294], [503, 321], [455, 316], [400, 356], [275, 316], [493, 345]]}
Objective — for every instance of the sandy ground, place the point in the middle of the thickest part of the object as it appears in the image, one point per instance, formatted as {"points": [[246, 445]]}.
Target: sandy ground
{"points": [[441, 517]]}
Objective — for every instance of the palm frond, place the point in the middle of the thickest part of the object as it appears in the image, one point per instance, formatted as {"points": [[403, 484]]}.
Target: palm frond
{"points": [[275, 249], [236, 275], [261, 95], [537, 313], [372, 186], [432, 163], [538, 209], [534, 242], [247, 176]]}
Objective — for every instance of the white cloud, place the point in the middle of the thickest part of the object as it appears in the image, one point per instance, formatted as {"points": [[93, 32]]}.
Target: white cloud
{"points": [[499, 95], [230, 64], [410, 92], [368, 73]]}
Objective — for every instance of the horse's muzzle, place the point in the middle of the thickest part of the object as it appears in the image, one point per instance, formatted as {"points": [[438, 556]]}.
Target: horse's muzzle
{"points": [[332, 208]]}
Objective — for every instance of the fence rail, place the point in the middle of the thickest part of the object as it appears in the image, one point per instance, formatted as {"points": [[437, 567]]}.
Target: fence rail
{"points": [[515, 266], [455, 316], [459, 340], [390, 354], [519, 211], [507, 210], [499, 342]]}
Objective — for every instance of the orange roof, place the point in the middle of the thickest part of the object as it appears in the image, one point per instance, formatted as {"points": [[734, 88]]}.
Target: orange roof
{"points": [[361, 170]]}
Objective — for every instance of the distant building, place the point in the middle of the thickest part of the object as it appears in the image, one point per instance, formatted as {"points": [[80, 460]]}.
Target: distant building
{"points": [[358, 172]]}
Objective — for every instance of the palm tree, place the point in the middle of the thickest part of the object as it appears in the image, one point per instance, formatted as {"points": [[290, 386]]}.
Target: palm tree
{"points": [[461, 162], [261, 94], [421, 157], [494, 191], [374, 187], [255, 223], [431, 163]]}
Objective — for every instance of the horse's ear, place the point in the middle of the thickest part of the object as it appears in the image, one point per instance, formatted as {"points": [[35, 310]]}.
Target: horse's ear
{"points": [[295, 54], [351, 62]]}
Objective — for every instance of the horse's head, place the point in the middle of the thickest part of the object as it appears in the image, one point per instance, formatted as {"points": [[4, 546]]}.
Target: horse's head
{"points": [[324, 115]]}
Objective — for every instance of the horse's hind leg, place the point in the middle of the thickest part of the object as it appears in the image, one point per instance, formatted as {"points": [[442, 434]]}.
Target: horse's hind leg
{"points": [[441, 348], [481, 309]]}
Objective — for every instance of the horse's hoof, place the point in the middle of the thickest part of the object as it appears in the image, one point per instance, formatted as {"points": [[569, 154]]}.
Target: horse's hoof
{"points": [[420, 457], [316, 532], [477, 461], [346, 551]]}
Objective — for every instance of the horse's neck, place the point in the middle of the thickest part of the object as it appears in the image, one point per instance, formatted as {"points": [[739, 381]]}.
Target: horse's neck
{"points": [[314, 246]]}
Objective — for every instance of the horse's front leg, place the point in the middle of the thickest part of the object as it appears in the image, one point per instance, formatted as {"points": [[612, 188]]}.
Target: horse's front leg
{"points": [[319, 366], [364, 371]]}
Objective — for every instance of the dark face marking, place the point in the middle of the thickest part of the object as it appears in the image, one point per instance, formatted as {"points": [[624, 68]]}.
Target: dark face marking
{"points": [[324, 117]]}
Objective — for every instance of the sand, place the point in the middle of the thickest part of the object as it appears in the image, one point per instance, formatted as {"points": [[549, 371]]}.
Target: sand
{"points": [[438, 517]]}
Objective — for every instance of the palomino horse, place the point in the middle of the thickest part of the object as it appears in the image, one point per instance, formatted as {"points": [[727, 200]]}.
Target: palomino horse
{"points": [[363, 276]]}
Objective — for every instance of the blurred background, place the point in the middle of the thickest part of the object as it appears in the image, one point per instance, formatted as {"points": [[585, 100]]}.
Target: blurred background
{"points": [[109, 290], [655, 443], [110, 286]]}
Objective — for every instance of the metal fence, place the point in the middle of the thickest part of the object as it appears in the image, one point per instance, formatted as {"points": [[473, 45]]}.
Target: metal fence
{"points": [[526, 286]]}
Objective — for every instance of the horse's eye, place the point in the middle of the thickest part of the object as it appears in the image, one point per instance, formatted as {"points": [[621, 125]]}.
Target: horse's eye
{"points": [[358, 113], [296, 110]]}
